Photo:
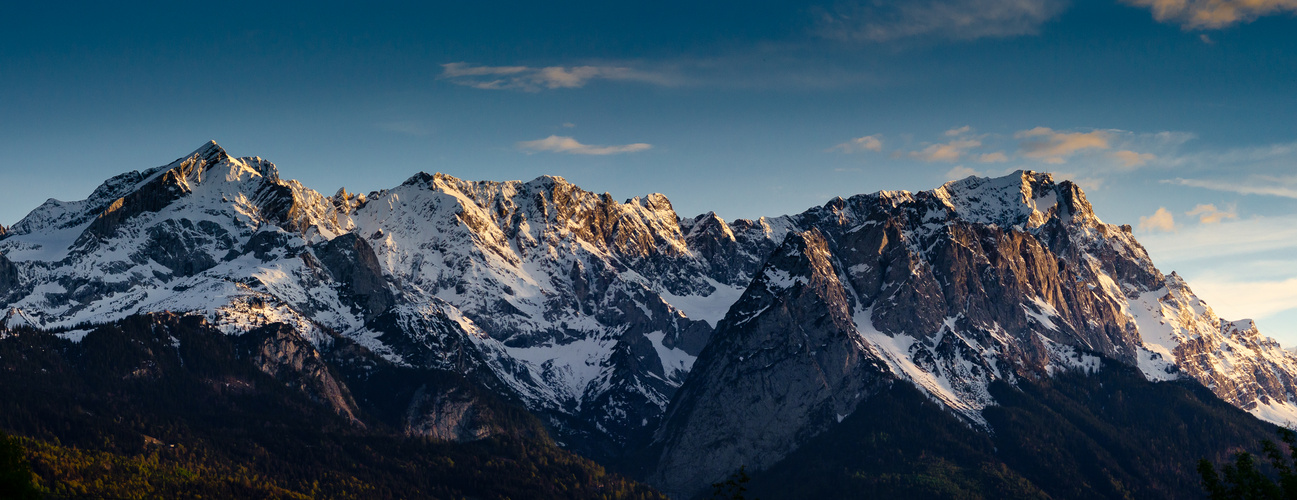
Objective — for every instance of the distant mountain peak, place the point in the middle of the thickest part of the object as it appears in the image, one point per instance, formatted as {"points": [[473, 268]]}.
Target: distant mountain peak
{"points": [[1023, 198], [211, 152]]}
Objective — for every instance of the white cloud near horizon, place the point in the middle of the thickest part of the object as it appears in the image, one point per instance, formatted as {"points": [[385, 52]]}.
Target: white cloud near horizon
{"points": [[534, 79], [1213, 14], [874, 21], [1242, 267], [867, 143], [1212, 242], [568, 145], [1235, 300]]}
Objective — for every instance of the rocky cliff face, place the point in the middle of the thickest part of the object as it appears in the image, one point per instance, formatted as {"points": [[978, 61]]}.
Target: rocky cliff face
{"points": [[594, 313], [8, 277], [280, 352], [783, 366], [352, 264], [981, 280], [606, 304]]}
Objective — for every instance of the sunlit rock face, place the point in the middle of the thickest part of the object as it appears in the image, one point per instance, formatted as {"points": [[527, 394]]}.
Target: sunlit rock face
{"points": [[593, 312], [952, 289], [589, 310]]}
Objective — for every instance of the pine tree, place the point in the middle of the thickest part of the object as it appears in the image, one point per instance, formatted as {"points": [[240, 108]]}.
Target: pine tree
{"points": [[15, 472], [1244, 480]]}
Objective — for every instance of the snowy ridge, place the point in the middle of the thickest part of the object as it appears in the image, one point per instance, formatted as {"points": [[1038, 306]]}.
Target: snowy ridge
{"points": [[562, 294], [593, 311], [1079, 286]]}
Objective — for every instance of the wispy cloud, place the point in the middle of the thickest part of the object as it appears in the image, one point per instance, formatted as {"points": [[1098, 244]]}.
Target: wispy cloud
{"points": [[1278, 156], [1285, 187], [876, 21], [1217, 241], [568, 145], [1236, 299], [1209, 214], [1053, 147], [948, 152], [1131, 159], [867, 143], [1265, 170], [1161, 221], [1242, 267], [961, 172], [1213, 14], [534, 79], [1095, 152], [954, 132], [996, 157]]}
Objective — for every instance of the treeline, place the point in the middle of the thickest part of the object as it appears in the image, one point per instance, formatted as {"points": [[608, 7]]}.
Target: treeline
{"points": [[166, 408], [490, 469]]}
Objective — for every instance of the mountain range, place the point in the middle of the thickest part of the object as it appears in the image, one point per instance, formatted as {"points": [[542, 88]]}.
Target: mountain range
{"points": [[674, 349]]}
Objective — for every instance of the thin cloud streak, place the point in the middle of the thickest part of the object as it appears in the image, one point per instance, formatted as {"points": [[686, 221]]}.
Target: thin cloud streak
{"points": [[1250, 299], [568, 145], [1214, 241], [532, 79], [1132, 159], [948, 152], [1261, 185], [941, 19], [867, 143], [996, 157]]}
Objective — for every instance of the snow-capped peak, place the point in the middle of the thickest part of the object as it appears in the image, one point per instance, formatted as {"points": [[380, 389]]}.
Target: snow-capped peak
{"points": [[1023, 198]]}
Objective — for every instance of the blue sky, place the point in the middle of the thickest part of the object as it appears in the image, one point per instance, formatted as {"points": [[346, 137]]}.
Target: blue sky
{"points": [[1177, 116]]}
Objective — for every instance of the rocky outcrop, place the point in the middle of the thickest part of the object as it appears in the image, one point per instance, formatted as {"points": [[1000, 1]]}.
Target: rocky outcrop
{"points": [[279, 351], [9, 279], [449, 414], [352, 262], [182, 245], [784, 365]]}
